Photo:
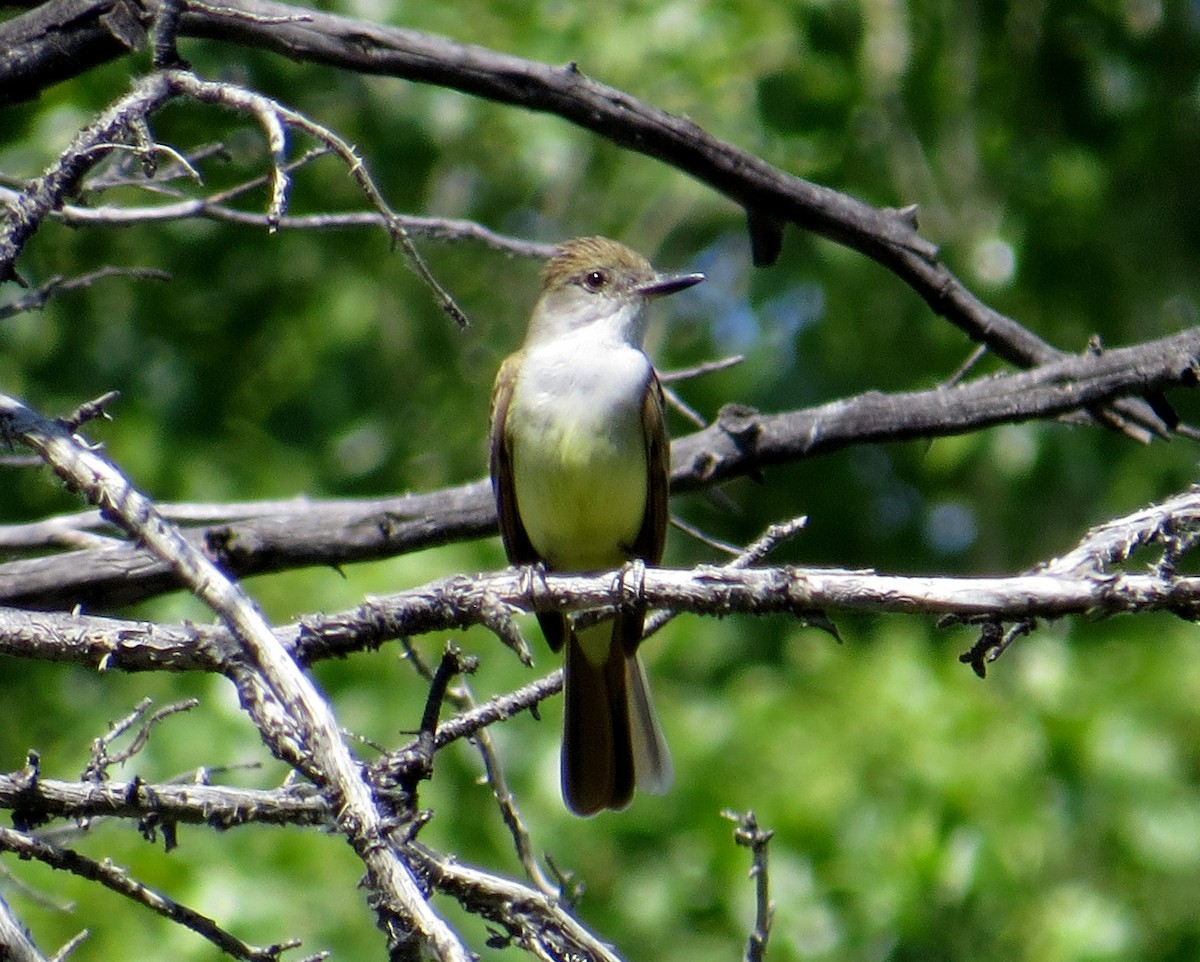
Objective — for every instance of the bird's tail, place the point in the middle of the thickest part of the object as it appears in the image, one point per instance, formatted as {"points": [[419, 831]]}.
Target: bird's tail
{"points": [[611, 737], [651, 758]]}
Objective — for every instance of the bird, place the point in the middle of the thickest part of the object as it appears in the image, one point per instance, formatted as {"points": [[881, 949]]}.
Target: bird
{"points": [[579, 462]]}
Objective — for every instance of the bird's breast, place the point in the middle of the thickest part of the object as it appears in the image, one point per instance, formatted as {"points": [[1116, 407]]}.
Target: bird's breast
{"points": [[579, 454]]}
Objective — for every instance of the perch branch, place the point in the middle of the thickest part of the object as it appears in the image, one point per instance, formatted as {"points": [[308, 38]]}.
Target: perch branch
{"points": [[1052, 590], [741, 441]]}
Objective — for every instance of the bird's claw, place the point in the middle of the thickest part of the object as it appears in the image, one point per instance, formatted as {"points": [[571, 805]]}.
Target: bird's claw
{"points": [[631, 584]]}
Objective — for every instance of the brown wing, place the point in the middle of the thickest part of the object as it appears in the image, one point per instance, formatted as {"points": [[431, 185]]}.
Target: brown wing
{"points": [[652, 537], [517, 546], [512, 532]]}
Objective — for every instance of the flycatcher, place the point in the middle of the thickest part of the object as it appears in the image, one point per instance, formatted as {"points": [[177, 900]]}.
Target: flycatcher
{"points": [[580, 462]]}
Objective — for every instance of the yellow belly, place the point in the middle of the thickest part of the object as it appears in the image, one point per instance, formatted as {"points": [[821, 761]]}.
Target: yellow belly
{"points": [[581, 492]]}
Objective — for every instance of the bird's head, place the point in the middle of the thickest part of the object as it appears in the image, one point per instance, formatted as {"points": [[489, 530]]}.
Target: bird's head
{"points": [[594, 280]]}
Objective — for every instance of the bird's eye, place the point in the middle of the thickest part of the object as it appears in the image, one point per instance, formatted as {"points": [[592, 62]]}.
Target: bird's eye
{"points": [[595, 280]]}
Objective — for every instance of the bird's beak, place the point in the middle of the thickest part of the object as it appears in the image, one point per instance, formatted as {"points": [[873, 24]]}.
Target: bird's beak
{"points": [[665, 284]]}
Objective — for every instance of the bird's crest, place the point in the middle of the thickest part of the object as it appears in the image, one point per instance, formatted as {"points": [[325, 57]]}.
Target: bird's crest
{"points": [[574, 257]]}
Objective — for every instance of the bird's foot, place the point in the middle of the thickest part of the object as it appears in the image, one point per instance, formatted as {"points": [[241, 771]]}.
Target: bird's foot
{"points": [[533, 579], [631, 584]]}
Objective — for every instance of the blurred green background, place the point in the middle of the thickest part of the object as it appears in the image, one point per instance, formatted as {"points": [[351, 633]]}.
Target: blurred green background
{"points": [[1051, 812]]}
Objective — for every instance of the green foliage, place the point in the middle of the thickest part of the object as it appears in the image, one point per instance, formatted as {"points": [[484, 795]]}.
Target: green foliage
{"points": [[1049, 813]]}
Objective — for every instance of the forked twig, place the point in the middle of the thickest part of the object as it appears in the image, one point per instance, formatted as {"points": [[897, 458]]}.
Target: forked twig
{"points": [[101, 760]]}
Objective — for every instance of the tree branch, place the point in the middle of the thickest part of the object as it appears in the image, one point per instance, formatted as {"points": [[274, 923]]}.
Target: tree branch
{"points": [[740, 442], [34, 801], [125, 126], [15, 943], [749, 834], [536, 922], [448, 230], [769, 195], [1083, 581], [62, 285]]}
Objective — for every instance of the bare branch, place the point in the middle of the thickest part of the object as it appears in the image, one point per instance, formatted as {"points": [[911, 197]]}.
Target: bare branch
{"points": [[741, 441], [63, 285], [413, 764], [1172, 524], [15, 943], [537, 923], [101, 760], [72, 944], [698, 370], [770, 196], [262, 661], [433, 228], [117, 880], [500, 708], [272, 117], [994, 640], [127, 119], [283, 535], [92, 410], [704, 537], [463, 700], [90, 526], [507, 805], [755, 552], [1053, 590], [35, 801]]}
